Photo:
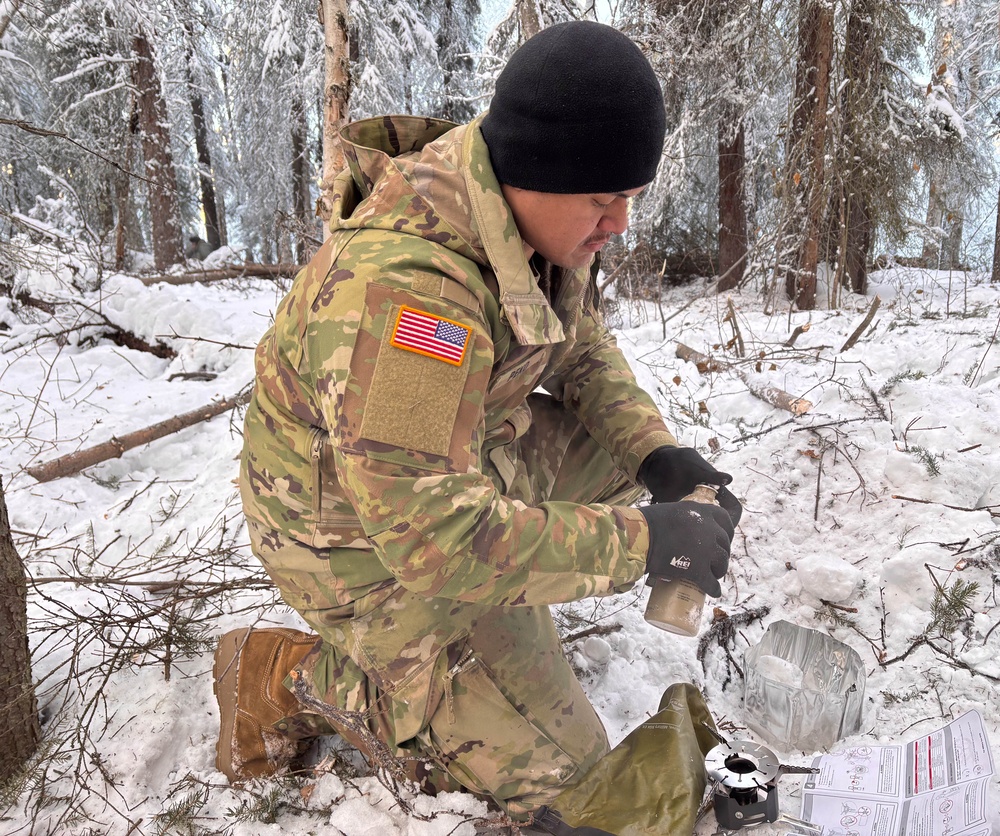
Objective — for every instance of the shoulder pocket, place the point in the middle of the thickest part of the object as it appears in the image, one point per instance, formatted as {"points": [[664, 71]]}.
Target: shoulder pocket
{"points": [[406, 398]]}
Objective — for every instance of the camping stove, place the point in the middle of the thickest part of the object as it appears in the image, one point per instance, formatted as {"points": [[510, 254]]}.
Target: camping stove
{"points": [[744, 784]]}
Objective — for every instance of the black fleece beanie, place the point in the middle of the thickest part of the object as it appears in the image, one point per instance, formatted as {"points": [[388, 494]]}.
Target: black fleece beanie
{"points": [[577, 110]]}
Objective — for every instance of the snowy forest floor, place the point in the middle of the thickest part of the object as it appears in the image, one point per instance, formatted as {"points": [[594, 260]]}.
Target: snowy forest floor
{"points": [[872, 517]]}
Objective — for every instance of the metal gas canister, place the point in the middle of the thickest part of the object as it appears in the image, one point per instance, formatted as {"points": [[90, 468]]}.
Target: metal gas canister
{"points": [[674, 605]]}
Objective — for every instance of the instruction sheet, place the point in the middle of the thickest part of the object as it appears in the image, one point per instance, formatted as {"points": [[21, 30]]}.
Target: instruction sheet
{"points": [[935, 785]]}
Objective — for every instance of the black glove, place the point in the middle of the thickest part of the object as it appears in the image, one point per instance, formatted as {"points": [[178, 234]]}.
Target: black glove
{"points": [[689, 541], [730, 504], [671, 473]]}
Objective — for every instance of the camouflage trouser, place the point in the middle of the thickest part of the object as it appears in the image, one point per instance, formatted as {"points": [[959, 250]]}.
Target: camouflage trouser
{"points": [[483, 693]]}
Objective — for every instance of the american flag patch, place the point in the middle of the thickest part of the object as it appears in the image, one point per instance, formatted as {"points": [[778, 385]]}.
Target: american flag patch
{"points": [[432, 336]]}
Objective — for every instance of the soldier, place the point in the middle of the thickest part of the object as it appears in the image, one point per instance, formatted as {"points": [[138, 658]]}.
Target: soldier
{"points": [[408, 487], [197, 248]]}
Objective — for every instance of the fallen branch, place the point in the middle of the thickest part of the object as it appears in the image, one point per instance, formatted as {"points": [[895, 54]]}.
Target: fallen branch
{"points": [[390, 771], [759, 389], [113, 449], [596, 630], [33, 227], [25, 298], [723, 632], [851, 340], [988, 508], [242, 271], [126, 339], [28, 127], [205, 588], [923, 640], [107, 329], [837, 606]]}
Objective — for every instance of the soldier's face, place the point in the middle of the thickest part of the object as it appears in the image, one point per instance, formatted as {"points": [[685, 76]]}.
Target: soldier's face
{"points": [[567, 229]]}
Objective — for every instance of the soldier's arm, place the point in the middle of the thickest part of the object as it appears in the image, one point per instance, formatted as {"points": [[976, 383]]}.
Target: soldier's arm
{"points": [[408, 428], [597, 384]]}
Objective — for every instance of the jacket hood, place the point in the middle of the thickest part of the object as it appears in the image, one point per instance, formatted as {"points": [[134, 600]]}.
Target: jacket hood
{"points": [[432, 178]]}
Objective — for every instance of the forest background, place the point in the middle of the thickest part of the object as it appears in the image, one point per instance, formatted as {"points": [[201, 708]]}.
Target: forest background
{"points": [[801, 132], [812, 144]]}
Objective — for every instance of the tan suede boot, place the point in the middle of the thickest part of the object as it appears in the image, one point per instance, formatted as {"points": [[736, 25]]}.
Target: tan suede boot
{"points": [[254, 705]]}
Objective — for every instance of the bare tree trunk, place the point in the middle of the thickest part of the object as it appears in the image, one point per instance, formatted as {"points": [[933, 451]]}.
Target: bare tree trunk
{"points": [[945, 218], [128, 232], [333, 16], [807, 144], [858, 242], [300, 177], [863, 66], [732, 200], [996, 246], [208, 201], [167, 244], [19, 730]]}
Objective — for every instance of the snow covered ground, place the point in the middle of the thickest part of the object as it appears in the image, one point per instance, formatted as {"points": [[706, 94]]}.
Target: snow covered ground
{"points": [[860, 513]]}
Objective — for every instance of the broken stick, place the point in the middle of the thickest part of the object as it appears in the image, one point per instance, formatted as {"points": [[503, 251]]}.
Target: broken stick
{"points": [[113, 449], [757, 387], [872, 310]]}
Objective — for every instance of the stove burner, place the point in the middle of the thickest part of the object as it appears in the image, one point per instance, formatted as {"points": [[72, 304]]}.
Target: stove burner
{"points": [[744, 778]]}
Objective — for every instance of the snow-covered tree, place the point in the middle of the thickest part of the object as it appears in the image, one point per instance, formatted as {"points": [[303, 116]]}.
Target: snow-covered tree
{"points": [[525, 18], [454, 21], [274, 83], [395, 65], [723, 76]]}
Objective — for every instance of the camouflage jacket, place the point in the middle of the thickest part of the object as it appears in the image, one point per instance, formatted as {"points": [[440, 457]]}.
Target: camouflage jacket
{"points": [[365, 438]]}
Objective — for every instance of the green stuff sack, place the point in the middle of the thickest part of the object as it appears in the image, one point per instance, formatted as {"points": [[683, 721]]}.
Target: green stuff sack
{"points": [[650, 783]]}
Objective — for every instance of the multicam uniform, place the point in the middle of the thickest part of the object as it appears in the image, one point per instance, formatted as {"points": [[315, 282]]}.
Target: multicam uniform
{"points": [[411, 493]]}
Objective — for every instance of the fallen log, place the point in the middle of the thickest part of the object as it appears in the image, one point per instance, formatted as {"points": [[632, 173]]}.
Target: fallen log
{"points": [[702, 361], [773, 395], [113, 449], [757, 387], [239, 271]]}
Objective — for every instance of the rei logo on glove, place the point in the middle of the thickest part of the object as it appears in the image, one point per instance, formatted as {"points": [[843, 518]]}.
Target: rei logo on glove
{"points": [[681, 562]]}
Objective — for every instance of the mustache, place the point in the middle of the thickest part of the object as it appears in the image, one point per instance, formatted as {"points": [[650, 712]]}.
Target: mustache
{"points": [[603, 238]]}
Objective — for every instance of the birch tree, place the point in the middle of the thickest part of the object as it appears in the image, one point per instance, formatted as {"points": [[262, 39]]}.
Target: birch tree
{"points": [[336, 95]]}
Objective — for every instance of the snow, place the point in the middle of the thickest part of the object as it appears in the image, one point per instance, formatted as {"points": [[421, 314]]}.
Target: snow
{"points": [[827, 577], [856, 514], [779, 670]]}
